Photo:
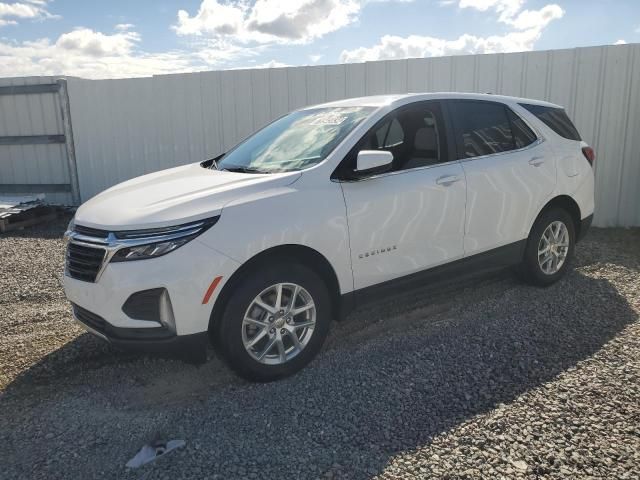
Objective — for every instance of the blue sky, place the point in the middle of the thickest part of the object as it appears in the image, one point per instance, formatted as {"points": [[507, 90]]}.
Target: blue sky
{"points": [[116, 38]]}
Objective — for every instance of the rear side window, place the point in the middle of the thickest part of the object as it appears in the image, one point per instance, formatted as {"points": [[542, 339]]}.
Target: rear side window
{"points": [[482, 128], [556, 119], [522, 134]]}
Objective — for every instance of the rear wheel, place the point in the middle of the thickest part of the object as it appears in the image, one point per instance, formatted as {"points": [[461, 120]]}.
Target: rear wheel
{"points": [[549, 248], [275, 322]]}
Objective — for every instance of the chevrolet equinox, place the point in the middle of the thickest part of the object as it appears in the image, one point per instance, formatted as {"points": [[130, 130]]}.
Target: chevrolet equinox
{"points": [[258, 250]]}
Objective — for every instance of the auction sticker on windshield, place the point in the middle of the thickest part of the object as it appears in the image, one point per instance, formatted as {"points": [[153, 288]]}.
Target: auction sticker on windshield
{"points": [[328, 118]]}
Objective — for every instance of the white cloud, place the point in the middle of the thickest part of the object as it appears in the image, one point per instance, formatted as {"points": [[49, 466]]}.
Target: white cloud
{"points": [[90, 54], [417, 46], [268, 21], [11, 13], [511, 13], [223, 33], [84, 41], [621, 42], [123, 27], [272, 64], [304, 21], [527, 25], [536, 18], [506, 8], [212, 18]]}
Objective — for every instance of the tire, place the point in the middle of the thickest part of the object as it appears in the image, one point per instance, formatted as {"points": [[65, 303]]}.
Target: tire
{"points": [[543, 273], [234, 331]]}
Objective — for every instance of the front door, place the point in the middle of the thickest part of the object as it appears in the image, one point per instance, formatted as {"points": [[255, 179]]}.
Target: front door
{"points": [[412, 217]]}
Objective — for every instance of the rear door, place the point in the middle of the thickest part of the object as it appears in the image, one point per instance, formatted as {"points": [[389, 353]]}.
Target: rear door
{"points": [[510, 173], [411, 218]]}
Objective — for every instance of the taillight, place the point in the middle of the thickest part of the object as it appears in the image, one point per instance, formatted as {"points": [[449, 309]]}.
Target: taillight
{"points": [[589, 154]]}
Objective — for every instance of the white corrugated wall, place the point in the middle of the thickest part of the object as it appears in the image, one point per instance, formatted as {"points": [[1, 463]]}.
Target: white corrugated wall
{"points": [[33, 164], [124, 128]]}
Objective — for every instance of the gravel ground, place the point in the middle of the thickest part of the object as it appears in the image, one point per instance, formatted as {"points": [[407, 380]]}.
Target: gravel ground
{"points": [[484, 377]]}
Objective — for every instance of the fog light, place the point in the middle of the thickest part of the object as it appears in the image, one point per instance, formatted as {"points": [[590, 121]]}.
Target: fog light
{"points": [[152, 305]]}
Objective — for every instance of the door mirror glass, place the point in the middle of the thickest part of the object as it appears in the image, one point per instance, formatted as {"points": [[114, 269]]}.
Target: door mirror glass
{"points": [[372, 162]]}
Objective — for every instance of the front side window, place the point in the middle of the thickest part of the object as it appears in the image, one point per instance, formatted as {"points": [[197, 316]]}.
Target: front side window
{"points": [[294, 142], [415, 136], [482, 128], [389, 135]]}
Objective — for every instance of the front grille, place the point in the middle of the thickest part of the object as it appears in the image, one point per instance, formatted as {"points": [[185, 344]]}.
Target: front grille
{"points": [[89, 318], [83, 263], [90, 232]]}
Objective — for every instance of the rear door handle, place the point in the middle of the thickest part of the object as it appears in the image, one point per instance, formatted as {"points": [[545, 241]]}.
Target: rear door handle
{"points": [[536, 161], [447, 180]]}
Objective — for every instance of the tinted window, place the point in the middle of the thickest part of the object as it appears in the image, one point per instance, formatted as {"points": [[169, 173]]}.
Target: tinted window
{"points": [[522, 134], [483, 128], [556, 119], [390, 134], [414, 135]]}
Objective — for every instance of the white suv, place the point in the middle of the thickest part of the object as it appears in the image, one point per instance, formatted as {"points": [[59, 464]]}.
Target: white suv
{"points": [[259, 248]]}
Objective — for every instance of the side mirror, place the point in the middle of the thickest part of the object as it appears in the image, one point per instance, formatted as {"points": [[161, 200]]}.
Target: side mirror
{"points": [[373, 162]]}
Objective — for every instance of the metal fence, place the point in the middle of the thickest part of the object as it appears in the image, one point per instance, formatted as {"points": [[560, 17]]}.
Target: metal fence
{"points": [[128, 127], [36, 141]]}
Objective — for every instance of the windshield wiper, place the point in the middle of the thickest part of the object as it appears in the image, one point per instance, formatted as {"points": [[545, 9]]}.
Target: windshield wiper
{"points": [[244, 170]]}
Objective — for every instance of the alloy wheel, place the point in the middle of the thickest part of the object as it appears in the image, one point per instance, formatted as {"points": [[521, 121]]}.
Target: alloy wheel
{"points": [[279, 323], [553, 247]]}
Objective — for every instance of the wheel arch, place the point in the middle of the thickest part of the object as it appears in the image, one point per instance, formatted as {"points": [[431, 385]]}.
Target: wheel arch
{"points": [[566, 203], [291, 253]]}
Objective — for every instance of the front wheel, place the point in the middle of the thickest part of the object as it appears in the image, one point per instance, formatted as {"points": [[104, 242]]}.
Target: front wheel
{"points": [[549, 248], [275, 322]]}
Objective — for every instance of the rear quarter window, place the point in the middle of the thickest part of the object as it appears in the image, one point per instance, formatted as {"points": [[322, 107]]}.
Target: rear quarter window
{"points": [[522, 135], [556, 119]]}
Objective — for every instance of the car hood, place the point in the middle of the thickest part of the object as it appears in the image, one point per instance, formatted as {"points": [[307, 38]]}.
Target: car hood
{"points": [[174, 196]]}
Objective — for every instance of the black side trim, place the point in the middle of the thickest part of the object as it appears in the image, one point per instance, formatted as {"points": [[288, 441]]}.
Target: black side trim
{"points": [[500, 257], [585, 225]]}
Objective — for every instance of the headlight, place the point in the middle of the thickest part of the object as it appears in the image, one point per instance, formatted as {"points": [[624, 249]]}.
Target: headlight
{"points": [[152, 243], [148, 251], [70, 226]]}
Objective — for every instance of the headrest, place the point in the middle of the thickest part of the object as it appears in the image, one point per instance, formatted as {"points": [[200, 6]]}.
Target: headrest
{"points": [[426, 139]]}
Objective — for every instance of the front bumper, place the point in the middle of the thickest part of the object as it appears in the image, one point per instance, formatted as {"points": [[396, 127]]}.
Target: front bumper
{"points": [[150, 340], [185, 274]]}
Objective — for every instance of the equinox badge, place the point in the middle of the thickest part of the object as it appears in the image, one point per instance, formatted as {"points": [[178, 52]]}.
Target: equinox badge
{"points": [[377, 251]]}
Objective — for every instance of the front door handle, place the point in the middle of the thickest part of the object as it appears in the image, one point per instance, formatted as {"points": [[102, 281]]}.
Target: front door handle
{"points": [[447, 180], [536, 161]]}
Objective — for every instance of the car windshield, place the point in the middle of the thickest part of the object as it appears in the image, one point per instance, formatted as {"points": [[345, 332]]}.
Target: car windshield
{"points": [[294, 142]]}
